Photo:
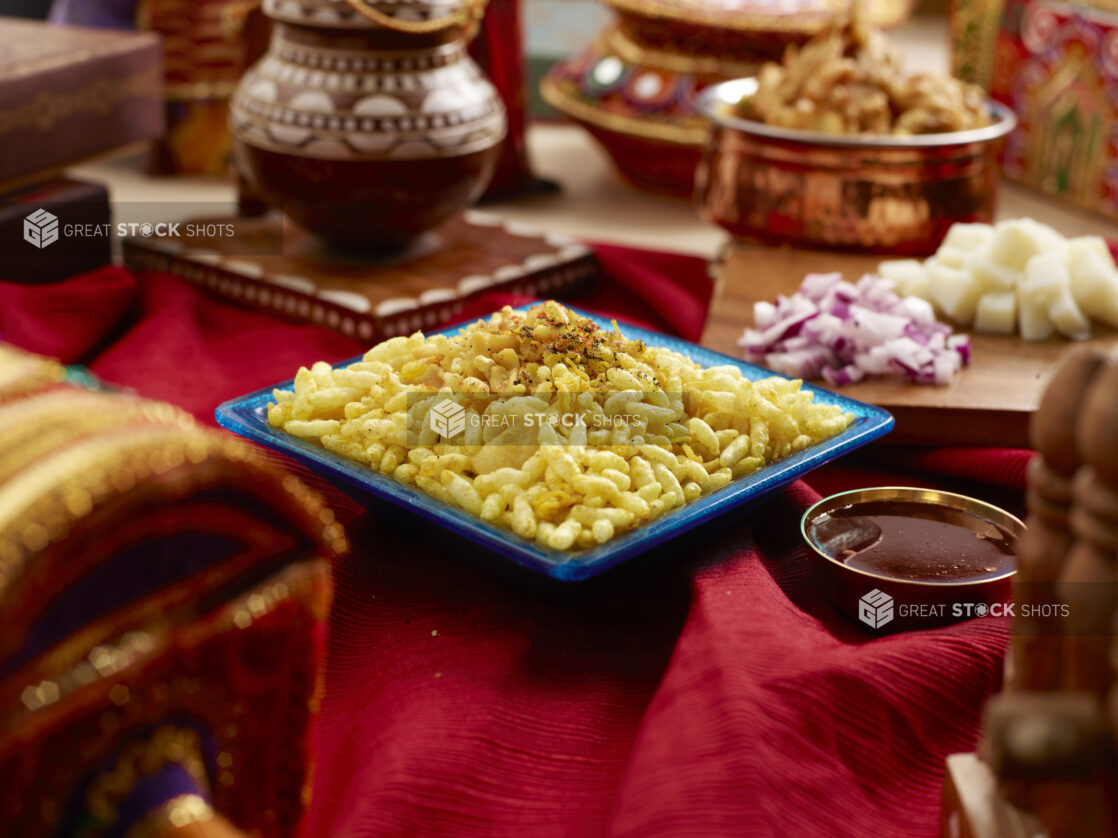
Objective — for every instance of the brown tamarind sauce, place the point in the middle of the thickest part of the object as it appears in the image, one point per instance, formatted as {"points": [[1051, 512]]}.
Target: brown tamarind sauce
{"points": [[919, 541]]}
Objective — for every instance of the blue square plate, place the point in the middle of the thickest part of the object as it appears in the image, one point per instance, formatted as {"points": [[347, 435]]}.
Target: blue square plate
{"points": [[248, 416]]}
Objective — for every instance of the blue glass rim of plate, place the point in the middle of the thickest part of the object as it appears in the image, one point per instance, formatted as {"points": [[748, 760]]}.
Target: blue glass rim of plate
{"points": [[247, 416]]}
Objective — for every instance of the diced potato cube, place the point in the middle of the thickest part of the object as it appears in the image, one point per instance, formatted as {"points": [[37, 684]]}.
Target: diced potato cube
{"points": [[918, 286], [1099, 298], [1045, 281], [952, 257], [989, 274], [997, 313], [1067, 318], [954, 292], [1017, 241], [1045, 277], [905, 273], [1094, 283], [1084, 256], [968, 237], [1089, 244], [1033, 322]]}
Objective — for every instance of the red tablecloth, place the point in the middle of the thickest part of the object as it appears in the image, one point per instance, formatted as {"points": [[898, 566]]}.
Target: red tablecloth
{"points": [[714, 694]]}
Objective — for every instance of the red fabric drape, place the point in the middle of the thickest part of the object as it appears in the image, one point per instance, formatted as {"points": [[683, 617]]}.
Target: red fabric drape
{"points": [[713, 692]]}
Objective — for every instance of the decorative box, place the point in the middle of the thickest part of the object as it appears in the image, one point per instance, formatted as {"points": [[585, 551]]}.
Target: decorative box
{"points": [[163, 589], [31, 218], [1056, 65], [69, 93], [634, 87]]}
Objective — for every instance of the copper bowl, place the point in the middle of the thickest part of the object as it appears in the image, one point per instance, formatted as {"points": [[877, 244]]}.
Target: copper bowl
{"points": [[915, 604], [884, 194]]}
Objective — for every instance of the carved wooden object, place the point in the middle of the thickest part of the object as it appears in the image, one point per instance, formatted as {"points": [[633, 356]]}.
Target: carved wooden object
{"points": [[1050, 748]]}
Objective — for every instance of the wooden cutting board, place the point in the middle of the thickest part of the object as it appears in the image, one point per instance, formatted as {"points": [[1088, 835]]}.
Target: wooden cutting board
{"points": [[988, 403]]}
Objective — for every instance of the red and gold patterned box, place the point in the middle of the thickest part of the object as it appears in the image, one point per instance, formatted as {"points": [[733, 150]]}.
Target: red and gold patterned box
{"points": [[1056, 65], [68, 93]]}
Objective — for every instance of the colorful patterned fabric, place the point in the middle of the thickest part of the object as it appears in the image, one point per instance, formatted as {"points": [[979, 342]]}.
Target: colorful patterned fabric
{"points": [[150, 570]]}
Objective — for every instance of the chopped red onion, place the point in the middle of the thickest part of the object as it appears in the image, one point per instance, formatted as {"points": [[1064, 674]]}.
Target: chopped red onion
{"points": [[816, 286], [961, 344], [849, 374], [843, 332]]}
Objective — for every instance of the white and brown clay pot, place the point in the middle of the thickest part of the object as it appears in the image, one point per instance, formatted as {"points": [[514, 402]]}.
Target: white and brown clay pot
{"points": [[368, 125]]}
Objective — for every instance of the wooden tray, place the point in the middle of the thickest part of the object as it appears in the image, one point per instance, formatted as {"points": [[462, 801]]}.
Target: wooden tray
{"points": [[277, 267], [988, 403]]}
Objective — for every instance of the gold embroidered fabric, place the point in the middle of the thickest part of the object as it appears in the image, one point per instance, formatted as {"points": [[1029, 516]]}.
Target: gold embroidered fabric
{"points": [[110, 688], [176, 814]]}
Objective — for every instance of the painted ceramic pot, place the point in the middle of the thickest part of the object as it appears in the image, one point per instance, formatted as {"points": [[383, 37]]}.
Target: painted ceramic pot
{"points": [[634, 87], [368, 125]]}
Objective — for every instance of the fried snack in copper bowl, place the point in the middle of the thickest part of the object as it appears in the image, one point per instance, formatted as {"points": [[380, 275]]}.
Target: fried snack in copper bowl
{"points": [[837, 148], [850, 80]]}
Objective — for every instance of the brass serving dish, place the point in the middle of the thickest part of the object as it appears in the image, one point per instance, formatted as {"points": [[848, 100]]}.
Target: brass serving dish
{"points": [[634, 88], [894, 194], [915, 603]]}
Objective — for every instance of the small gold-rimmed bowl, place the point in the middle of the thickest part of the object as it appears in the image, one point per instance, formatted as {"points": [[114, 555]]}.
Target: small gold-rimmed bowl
{"points": [[888, 603], [888, 194]]}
